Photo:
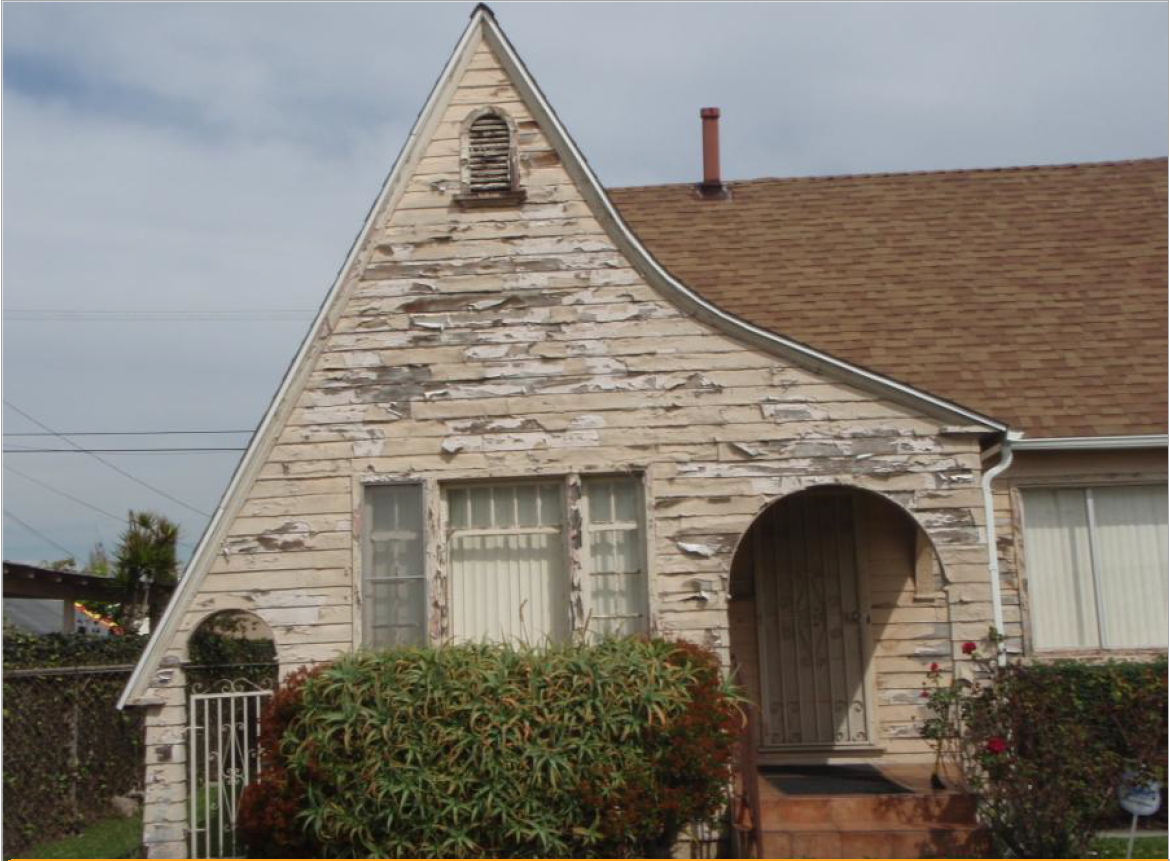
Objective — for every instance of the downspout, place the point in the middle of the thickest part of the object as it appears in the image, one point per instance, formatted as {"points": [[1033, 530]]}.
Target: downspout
{"points": [[1005, 461]]}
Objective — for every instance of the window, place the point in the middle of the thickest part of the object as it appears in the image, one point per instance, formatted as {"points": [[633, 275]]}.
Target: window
{"points": [[1097, 566], [508, 577], [616, 573], [508, 563], [393, 576]]}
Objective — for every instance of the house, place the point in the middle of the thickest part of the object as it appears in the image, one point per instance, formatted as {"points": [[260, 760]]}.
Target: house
{"points": [[782, 418]]}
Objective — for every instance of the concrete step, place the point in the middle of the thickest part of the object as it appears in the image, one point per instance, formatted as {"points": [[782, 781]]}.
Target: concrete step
{"points": [[778, 812]]}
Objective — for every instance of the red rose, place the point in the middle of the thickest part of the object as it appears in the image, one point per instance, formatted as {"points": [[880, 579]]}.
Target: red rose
{"points": [[969, 647], [934, 667], [995, 744], [924, 694]]}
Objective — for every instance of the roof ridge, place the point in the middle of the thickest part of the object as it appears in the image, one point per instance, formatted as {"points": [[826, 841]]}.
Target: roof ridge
{"points": [[897, 173]]}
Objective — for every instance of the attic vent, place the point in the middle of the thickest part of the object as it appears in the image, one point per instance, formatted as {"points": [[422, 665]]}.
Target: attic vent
{"points": [[489, 155]]}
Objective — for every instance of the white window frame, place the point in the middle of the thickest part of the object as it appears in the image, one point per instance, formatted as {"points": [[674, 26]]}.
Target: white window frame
{"points": [[448, 532], [1086, 485], [366, 578], [636, 525]]}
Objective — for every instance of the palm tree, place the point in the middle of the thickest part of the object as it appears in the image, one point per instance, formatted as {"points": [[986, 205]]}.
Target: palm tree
{"points": [[146, 555]]}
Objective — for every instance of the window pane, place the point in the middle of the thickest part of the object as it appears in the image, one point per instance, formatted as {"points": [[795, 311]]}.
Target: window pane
{"points": [[398, 614], [1059, 569], [511, 584], [616, 578], [394, 588], [1133, 570]]}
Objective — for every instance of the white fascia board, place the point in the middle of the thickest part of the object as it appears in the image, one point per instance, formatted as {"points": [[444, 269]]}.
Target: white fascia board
{"points": [[1091, 443], [262, 441], [641, 258]]}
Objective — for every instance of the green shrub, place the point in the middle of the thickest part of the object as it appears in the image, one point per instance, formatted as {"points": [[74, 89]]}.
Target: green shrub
{"points": [[25, 650], [603, 750], [1044, 746]]}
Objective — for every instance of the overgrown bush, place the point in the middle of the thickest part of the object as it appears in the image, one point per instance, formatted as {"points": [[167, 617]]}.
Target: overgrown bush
{"points": [[603, 750], [22, 649], [1044, 746]]}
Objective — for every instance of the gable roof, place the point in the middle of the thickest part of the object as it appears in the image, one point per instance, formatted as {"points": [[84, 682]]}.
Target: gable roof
{"points": [[1036, 295]]}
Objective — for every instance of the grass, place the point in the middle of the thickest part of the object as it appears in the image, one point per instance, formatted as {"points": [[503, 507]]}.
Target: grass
{"points": [[1143, 847], [110, 838]]}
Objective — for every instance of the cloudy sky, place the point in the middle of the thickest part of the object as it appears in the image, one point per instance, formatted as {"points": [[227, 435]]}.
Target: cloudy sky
{"points": [[166, 163]]}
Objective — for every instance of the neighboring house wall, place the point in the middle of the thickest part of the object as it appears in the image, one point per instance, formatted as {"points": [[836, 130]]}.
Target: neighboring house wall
{"points": [[1067, 469], [517, 342]]}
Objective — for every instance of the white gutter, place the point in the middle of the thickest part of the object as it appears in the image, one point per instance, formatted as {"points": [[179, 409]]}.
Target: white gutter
{"points": [[1005, 460], [1085, 443]]}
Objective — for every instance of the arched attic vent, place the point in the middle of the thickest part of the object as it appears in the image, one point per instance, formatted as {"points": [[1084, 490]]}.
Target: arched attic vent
{"points": [[489, 160]]}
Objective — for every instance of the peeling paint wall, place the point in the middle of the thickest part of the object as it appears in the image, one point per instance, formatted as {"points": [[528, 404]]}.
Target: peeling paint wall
{"points": [[518, 342]]}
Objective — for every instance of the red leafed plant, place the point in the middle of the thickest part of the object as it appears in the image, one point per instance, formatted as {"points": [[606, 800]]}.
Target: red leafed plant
{"points": [[267, 821]]}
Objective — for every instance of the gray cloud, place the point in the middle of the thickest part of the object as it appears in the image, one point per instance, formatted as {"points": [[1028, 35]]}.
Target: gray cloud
{"points": [[222, 156]]}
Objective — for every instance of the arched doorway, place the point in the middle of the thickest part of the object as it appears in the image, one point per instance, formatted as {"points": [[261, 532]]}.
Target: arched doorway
{"points": [[231, 672], [836, 593]]}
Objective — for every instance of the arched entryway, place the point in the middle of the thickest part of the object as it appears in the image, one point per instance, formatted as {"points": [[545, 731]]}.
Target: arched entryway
{"points": [[837, 612], [231, 672]]}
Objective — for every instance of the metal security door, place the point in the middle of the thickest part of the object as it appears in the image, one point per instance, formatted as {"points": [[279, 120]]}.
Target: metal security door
{"points": [[811, 624], [224, 757]]}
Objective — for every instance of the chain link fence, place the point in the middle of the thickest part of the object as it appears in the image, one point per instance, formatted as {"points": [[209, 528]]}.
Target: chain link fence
{"points": [[67, 750]]}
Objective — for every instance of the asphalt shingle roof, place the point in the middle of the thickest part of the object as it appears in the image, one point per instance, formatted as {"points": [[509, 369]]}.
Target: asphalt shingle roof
{"points": [[1035, 295]]}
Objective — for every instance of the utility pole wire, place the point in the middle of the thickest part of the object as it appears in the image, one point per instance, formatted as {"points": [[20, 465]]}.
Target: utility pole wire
{"points": [[41, 536], [102, 460], [51, 489], [79, 450], [68, 496], [129, 433]]}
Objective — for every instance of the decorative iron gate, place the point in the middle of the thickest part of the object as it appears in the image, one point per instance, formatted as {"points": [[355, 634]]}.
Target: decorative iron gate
{"points": [[224, 756]]}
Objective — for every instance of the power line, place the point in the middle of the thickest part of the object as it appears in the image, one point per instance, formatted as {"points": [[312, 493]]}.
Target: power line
{"points": [[39, 535], [130, 433], [241, 315], [102, 460], [118, 450], [69, 496], [52, 489]]}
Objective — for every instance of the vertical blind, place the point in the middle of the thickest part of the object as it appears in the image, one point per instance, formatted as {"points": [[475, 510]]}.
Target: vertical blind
{"points": [[507, 563], [1097, 567], [393, 577]]}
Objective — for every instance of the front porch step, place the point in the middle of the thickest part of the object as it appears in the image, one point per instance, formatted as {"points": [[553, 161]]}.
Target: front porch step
{"points": [[861, 842], [912, 824], [779, 811]]}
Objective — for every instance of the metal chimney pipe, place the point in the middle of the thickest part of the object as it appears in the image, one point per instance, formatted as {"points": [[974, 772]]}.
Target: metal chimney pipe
{"points": [[712, 182]]}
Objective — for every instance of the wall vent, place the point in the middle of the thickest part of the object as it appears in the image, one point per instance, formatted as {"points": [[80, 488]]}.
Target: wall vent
{"points": [[489, 155]]}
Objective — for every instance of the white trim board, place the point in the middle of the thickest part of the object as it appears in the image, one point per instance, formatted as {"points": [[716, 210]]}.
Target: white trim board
{"points": [[483, 28]]}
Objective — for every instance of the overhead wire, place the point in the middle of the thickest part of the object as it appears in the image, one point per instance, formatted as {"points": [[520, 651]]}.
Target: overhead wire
{"points": [[105, 462], [119, 450], [40, 535], [73, 498], [127, 433]]}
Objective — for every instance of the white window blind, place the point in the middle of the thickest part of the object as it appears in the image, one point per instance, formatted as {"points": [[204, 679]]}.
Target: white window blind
{"points": [[508, 577], [393, 577], [615, 566], [1097, 567]]}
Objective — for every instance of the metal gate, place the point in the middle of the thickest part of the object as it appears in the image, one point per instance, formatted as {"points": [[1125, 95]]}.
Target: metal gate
{"points": [[812, 624], [224, 756]]}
